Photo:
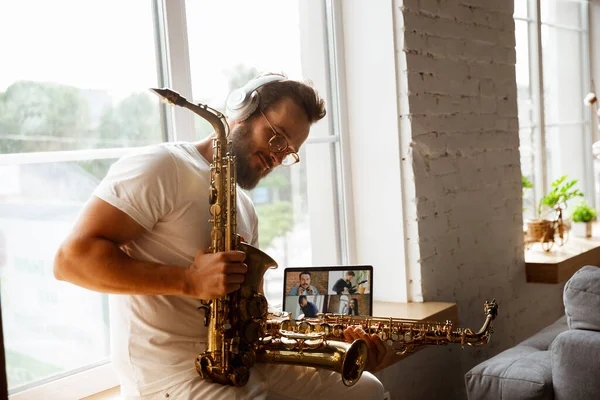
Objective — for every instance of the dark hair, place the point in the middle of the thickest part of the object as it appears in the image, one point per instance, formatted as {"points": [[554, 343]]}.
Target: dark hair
{"points": [[302, 296], [304, 273], [301, 93], [354, 311], [351, 273]]}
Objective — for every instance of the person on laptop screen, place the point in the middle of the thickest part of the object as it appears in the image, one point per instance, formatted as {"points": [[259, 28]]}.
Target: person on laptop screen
{"points": [[344, 285], [304, 286], [308, 309], [351, 308]]}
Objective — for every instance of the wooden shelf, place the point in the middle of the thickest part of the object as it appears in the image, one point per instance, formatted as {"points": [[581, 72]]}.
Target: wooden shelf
{"points": [[559, 264]]}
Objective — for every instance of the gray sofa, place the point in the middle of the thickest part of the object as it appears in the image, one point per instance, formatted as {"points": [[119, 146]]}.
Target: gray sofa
{"points": [[560, 362]]}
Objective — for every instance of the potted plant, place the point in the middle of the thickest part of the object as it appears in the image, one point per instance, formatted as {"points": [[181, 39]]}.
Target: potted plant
{"points": [[582, 216], [550, 212]]}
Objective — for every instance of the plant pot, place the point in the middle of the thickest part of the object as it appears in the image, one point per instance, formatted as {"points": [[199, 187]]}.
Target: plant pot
{"points": [[540, 230], [582, 229]]}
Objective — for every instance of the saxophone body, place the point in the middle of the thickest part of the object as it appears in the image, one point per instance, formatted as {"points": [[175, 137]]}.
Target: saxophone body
{"points": [[234, 321], [240, 330], [402, 335]]}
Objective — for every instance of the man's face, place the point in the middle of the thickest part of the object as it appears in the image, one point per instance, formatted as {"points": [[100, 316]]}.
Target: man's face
{"points": [[348, 278], [305, 281], [250, 140], [303, 302]]}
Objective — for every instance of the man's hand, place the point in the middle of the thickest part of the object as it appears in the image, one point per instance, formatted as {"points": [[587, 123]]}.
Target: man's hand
{"points": [[379, 353], [215, 274], [300, 290], [309, 290]]}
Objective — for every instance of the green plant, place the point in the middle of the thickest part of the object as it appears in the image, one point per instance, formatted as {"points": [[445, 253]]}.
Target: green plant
{"points": [[526, 183], [583, 212], [562, 191]]}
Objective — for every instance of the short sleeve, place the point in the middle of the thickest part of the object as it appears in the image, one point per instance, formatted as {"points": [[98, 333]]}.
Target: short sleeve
{"points": [[254, 229], [142, 185]]}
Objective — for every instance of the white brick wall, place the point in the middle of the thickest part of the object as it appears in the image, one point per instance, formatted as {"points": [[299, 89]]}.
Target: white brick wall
{"points": [[462, 121]]}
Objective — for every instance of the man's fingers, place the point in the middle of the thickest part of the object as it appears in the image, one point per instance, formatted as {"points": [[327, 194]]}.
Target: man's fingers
{"points": [[363, 335], [235, 278], [350, 335], [381, 349], [234, 256], [235, 268]]}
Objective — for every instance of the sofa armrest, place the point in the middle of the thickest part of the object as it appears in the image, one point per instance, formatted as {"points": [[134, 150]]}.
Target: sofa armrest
{"points": [[575, 365]]}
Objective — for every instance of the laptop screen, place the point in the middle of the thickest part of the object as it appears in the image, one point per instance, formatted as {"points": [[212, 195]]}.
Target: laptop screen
{"points": [[337, 289]]}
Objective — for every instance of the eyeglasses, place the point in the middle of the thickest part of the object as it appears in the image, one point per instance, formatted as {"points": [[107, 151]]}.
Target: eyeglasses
{"points": [[279, 144]]}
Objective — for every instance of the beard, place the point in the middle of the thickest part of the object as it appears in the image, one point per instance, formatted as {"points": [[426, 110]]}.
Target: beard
{"points": [[242, 148]]}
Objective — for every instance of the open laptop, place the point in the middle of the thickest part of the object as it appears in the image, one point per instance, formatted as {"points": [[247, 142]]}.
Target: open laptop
{"points": [[344, 289]]}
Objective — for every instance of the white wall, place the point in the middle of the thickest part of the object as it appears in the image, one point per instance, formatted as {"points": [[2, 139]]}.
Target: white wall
{"points": [[459, 174]]}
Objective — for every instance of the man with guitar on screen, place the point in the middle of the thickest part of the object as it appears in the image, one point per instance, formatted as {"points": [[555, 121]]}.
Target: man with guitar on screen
{"points": [[344, 286]]}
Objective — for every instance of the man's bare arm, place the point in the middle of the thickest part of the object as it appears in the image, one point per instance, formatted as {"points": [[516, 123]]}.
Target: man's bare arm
{"points": [[91, 257]]}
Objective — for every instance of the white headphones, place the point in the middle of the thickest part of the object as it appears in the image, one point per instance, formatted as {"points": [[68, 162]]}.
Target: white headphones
{"points": [[242, 102]]}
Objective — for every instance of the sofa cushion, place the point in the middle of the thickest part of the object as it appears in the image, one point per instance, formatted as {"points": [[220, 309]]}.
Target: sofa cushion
{"points": [[544, 338], [521, 372], [575, 363], [581, 297]]}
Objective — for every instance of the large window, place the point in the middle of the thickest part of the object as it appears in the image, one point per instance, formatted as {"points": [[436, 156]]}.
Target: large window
{"points": [[74, 97], [226, 50], [552, 71]]}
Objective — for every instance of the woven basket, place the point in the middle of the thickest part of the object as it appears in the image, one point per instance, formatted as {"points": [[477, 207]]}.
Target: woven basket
{"points": [[540, 230]]}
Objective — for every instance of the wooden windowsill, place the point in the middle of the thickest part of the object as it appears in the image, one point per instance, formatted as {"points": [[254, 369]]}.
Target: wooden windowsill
{"points": [[428, 311], [560, 263]]}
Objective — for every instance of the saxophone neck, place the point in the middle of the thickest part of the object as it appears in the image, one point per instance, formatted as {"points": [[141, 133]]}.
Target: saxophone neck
{"points": [[214, 117]]}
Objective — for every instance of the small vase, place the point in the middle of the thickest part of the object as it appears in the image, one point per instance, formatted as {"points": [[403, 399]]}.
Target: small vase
{"points": [[582, 229]]}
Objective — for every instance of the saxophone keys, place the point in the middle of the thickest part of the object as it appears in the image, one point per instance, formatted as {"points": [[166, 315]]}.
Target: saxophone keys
{"points": [[253, 332], [323, 328], [288, 325], [258, 306], [215, 210], [212, 197], [304, 327], [249, 359], [239, 377], [338, 330]]}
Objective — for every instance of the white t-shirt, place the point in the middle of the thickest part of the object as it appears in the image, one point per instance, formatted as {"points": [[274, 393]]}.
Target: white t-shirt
{"points": [[155, 339]]}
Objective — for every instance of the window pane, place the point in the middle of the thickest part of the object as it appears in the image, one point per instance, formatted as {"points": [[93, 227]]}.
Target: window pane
{"points": [[563, 12], [284, 228], [522, 71], [520, 9], [565, 146], [264, 36], [91, 91], [49, 326], [229, 48], [563, 75], [296, 212]]}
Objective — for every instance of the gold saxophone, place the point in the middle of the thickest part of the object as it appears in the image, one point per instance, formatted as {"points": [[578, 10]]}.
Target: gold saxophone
{"points": [[240, 330], [402, 335]]}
